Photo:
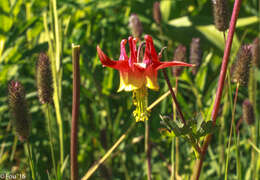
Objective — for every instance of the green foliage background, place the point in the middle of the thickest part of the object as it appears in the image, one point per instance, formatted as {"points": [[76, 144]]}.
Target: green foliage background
{"points": [[104, 113]]}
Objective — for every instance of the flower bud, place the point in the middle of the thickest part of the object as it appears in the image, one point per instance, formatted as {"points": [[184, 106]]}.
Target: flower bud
{"points": [[157, 12], [256, 52], [179, 55], [44, 79], [195, 54], [248, 112], [18, 109], [135, 26], [221, 14], [241, 68]]}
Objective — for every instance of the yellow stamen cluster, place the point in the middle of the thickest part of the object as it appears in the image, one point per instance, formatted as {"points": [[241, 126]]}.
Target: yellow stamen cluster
{"points": [[140, 100]]}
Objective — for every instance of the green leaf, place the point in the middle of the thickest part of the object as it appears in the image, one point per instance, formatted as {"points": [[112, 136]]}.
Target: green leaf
{"points": [[8, 72], [107, 4], [201, 77], [181, 22], [165, 7], [206, 128], [241, 22], [216, 37], [108, 81], [36, 49]]}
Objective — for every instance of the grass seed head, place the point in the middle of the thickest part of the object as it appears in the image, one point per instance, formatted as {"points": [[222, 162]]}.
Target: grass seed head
{"points": [[18, 109], [221, 14], [195, 54], [44, 79], [256, 52], [135, 26], [179, 55], [157, 12], [248, 112], [240, 73]]}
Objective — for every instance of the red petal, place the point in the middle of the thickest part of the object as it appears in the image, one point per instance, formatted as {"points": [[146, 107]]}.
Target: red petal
{"points": [[123, 55], [106, 61], [172, 63], [150, 45], [133, 53]]}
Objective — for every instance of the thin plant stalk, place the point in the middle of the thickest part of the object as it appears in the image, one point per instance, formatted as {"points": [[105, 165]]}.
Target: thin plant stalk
{"points": [[173, 163], [220, 136], [230, 137], [51, 139], [172, 159], [252, 93], [13, 148], [224, 36], [56, 94], [57, 64], [31, 163], [175, 142], [177, 156], [195, 145], [108, 153], [237, 5], [57, 34], [157, 101], [75, 112], [147, 150], [174, 97]]}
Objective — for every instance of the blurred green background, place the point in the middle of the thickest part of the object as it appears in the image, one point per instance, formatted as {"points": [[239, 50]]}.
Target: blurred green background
{"points": [[104, 113]]}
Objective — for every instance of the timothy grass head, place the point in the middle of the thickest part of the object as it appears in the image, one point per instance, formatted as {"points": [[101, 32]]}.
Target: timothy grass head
{"points": [[18, 109]]}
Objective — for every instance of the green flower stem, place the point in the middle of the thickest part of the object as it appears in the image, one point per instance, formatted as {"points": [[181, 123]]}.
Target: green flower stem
{"points": [[252, 89], [31, 163], [172, 159], [51, 139], [56, 94], [157, 101], [232, 126], [221, 136], [57, 35], [175, 142], [147, 150], [13, 148], [57, 64]]}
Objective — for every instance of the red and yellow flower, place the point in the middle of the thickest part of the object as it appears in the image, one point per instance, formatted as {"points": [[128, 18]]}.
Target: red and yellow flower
{"points": [[136, 75]]}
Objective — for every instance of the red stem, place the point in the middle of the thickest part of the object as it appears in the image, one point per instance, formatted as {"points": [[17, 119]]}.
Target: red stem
{"points": [[221, 81], [75, 112], [173, 96]]}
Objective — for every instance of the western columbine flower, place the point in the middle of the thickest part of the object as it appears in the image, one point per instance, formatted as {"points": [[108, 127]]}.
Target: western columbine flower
{"points": [[137, 75]]}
